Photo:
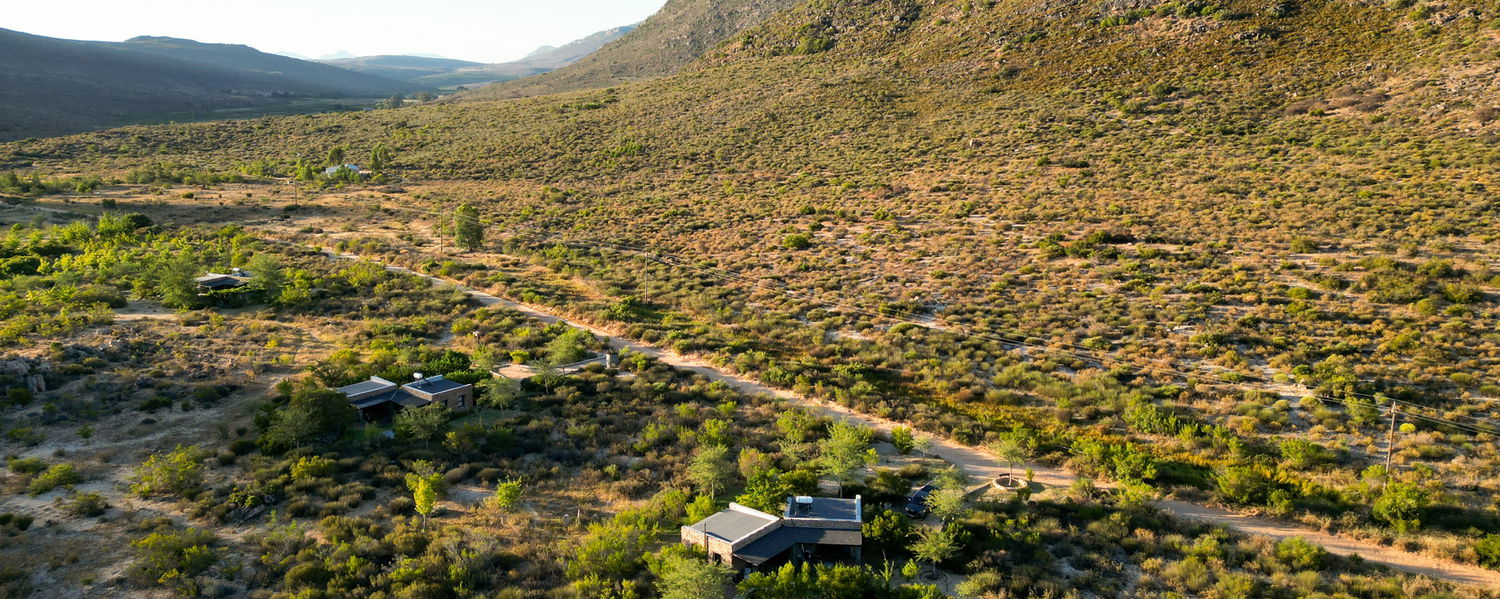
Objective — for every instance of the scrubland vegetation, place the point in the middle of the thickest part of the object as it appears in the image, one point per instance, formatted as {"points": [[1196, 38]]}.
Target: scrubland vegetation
{"points": [[1198, 250], [561, 484]]}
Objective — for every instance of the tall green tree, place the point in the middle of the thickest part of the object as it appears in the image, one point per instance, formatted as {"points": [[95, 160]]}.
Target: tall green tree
{"points": [[888, 529], [468, 232], [423, 423], [571, 346], [426, 485], [424, 498], [499, 392], [846, 452], [797, 428], [380, 157], [305, 171], [310, 413], [507, 495], [766, 491], [172, 278], [1012, 450], [613, 550], [711, 469], [947, 504], [266, 276], [685, 577], [934, 545]]}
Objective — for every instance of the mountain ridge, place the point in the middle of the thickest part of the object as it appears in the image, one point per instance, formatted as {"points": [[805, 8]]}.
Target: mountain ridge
{"points": [[673, 37], [450, 73], [402, 67], [53, 86]]}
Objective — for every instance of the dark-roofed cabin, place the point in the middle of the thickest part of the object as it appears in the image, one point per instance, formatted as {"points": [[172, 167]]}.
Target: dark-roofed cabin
{"points": [[218, 282], [380, 399], [812, 529], [455, 395]]}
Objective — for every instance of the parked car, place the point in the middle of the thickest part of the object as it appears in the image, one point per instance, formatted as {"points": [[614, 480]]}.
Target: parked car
{"points": [[916, 504]]}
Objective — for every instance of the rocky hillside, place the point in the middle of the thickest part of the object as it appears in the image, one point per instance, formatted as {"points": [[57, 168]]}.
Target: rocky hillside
{"points": [[675, 36], [543, 60]]}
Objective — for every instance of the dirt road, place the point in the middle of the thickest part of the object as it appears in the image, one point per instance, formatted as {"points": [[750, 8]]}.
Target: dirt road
{"points": [[983, 466]]}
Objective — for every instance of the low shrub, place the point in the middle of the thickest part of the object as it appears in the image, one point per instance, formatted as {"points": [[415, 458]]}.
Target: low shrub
{"points": [[59, 475], [87, 504]]}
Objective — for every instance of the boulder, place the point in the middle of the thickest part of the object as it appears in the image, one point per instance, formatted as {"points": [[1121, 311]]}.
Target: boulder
{"points": [[15, 368]]}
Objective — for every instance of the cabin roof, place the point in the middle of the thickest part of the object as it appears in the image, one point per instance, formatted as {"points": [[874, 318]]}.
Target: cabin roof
{"points": [[779, 540], [823, 508], [735, 523], [434, 385]]}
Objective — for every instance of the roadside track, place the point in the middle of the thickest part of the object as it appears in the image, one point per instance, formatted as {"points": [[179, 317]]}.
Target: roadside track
{"points": [[983, 466]]}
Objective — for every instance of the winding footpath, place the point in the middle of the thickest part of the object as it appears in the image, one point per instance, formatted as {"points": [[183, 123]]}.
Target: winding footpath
{"points": [[983, 466]]}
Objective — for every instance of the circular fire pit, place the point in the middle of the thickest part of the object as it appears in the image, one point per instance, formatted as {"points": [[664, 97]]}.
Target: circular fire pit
{"points": [[1007, 482]]}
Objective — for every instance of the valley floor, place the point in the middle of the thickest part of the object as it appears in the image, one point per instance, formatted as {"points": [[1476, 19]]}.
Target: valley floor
{"points": [[983, 466], [980, 464]]}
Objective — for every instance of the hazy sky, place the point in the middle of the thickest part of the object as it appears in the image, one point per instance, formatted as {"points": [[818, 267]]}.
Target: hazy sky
{"points": [[485, 31]]}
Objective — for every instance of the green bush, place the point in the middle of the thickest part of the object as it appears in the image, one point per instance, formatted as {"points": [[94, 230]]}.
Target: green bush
{"points": [[1400, 504], [1301, 453], [1244, 485], [174, 559], [1300, 554], [18, 396], [178, 472], [903, 439], [1488, 550], [25, 466], [59, 475], [87, 504], [18, 521], [307, 575], [311, 467]]}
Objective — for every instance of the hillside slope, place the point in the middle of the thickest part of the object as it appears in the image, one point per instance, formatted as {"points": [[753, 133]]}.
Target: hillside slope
{"points": [[543, 60], [571, 52], [675, 36], [403, 68], [441, 72], [53, 86], [1241, 126], [1217, 228]]}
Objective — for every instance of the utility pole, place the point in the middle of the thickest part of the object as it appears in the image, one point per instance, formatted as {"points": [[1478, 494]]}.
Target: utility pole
{"points": [[1390, 438]]}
